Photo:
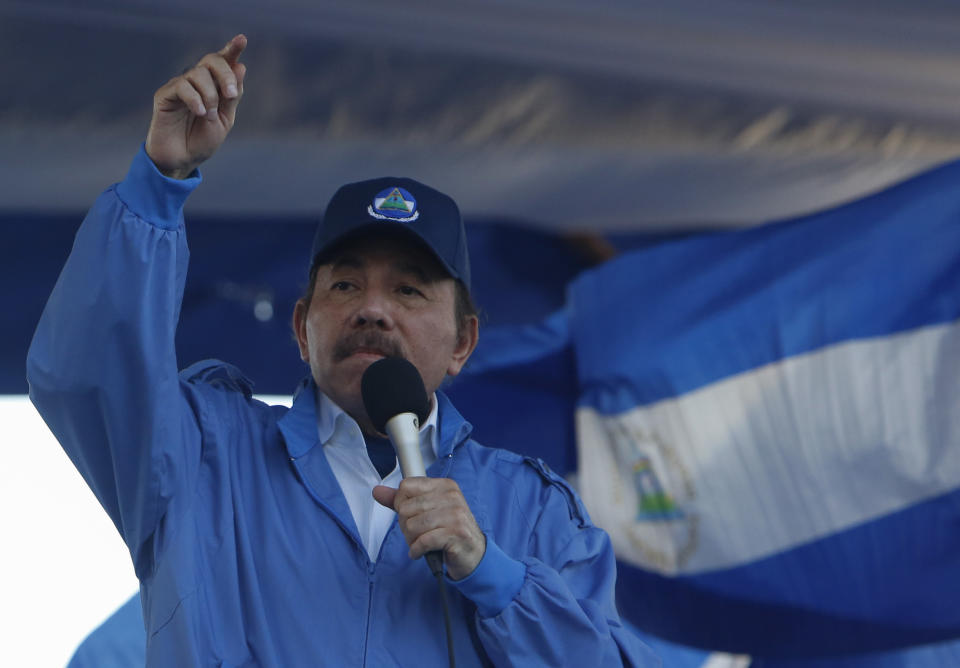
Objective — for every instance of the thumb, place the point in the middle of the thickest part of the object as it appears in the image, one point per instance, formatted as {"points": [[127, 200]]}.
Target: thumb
{"points": [[385, 495]]}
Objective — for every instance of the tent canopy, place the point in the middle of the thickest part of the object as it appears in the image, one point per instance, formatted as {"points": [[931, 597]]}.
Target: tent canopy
{"points": [[671, 114]]}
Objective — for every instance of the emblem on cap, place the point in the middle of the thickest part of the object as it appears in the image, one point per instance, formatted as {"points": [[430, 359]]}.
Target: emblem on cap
{"points": [[394, 204]]}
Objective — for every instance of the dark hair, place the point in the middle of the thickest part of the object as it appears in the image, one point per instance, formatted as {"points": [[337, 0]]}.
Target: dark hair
{"points": [[464, 307]]}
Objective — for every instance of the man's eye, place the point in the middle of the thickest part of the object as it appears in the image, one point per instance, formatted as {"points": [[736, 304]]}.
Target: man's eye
{"points": [[409, 290], [340, 286]]}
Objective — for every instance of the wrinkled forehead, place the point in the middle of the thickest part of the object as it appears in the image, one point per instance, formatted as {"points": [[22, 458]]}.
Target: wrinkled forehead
{"points": [[399, 251]]}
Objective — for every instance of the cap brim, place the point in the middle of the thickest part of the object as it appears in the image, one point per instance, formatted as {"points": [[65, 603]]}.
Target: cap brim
{"points": [[379, 229]]}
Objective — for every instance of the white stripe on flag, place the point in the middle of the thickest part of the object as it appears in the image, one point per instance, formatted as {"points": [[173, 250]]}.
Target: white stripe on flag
{"points": [[778, 456]]}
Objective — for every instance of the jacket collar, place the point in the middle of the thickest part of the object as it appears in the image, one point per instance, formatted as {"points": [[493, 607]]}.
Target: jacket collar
{"points": [[299, 424], [452, 429]]}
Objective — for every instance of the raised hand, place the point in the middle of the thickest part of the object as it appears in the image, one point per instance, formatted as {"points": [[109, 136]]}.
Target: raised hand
{"points": [[194, 112], [433, 515]]}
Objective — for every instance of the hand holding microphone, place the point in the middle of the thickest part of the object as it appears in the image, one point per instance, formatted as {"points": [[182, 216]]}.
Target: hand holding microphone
{"points": [[432, 512]]}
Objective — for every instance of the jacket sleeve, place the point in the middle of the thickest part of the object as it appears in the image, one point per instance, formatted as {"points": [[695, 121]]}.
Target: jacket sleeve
{"points": [[563, 612], [102, 367]]}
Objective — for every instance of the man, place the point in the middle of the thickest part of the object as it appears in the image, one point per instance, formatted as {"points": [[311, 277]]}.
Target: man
{"points": [[262, 536]]}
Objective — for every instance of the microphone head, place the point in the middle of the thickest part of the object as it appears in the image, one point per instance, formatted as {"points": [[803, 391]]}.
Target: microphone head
{"points": [[391, 386]]}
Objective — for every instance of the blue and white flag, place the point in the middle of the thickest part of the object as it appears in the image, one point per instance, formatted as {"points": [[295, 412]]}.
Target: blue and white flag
{"points": [[769, 427]]}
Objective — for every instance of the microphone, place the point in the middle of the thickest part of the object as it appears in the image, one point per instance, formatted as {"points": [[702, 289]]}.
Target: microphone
{"points": [[396, 403]]}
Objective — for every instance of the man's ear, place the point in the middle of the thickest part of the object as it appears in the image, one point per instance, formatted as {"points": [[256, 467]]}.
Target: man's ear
{"points": [[466, 342], [300, 329]]}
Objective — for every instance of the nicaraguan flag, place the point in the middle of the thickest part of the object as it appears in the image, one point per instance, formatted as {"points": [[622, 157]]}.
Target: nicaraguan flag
{"points": [[769, 427]]}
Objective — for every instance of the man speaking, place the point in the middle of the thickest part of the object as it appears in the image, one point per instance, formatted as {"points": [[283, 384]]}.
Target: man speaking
{"points": [[264, 536]]}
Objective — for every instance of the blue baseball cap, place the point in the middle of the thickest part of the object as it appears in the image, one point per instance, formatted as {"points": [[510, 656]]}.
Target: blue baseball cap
{"points": [[392, 205]]}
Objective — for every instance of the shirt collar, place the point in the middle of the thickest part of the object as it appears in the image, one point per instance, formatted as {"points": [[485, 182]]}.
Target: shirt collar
{"points": [[335, 425]]}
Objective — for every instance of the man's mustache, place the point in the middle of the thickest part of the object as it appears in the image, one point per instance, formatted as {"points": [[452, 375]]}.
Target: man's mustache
{"points": [[366, 340]]}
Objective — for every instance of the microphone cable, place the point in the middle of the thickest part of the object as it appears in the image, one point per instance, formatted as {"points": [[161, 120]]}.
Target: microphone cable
{"points": [[435, 561]]}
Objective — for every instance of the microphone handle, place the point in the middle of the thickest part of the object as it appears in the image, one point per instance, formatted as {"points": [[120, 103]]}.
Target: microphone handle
{"points": [[435, 562], [404, 432]]}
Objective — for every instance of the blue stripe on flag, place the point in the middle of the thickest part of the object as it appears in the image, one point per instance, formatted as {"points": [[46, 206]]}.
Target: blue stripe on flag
{"points": [[804, 602], [743, 299], [939, 655]]}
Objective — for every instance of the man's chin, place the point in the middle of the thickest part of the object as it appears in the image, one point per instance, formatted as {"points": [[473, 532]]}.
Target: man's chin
{"points": [[347, 374], [344, 389], [342, 383]]}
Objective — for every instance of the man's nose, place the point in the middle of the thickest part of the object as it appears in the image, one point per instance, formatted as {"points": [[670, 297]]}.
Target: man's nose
{"points": [[374, 310]]}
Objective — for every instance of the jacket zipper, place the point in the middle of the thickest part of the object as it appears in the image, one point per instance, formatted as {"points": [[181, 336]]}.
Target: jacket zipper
{"points": [[357, 542], [371, 566], [366, 633]]}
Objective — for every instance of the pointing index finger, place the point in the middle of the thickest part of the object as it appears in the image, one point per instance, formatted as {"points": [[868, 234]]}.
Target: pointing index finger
{"points": [[231, 52]]}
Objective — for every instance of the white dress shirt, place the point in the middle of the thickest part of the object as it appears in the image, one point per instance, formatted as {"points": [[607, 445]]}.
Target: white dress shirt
{"points": [[346, 452]]}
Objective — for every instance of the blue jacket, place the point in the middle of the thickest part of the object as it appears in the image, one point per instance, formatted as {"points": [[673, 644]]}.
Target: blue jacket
{"points": [[244, 545]]}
